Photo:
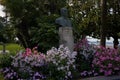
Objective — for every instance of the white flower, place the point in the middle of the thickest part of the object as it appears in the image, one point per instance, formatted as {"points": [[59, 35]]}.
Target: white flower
{"points": [[62, 68], [68, 63], [69, 73], [62, 58], [73, 54], [67, 67], [58, 68]]}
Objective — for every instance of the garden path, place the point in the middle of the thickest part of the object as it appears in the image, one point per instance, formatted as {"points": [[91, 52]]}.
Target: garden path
{"points": [[103, 78]]}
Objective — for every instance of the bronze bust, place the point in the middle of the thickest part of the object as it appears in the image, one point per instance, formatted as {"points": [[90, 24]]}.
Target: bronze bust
{"points": [[63, 21]]}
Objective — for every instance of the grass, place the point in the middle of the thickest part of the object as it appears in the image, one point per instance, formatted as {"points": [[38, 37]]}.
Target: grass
{"points": [[1, 77], [12, 47]]}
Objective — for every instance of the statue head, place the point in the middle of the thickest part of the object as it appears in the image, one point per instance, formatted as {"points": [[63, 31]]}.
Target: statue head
{"points": [[64, 12], [63, 20]]}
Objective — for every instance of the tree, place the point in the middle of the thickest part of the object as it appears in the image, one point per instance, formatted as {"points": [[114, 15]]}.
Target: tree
{"points": [[2, 27], [103, 22], [98, 18], [113, 20], [27, 15], [85, 15]]}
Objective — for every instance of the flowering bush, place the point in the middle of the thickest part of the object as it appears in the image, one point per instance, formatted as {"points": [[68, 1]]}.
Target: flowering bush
{"points": [[107, 61], [88, 73], [32, 65], [9, 74], [29, 59], [85, 55], [84, 48], [5, 60], [28, 63], [62, 62]]}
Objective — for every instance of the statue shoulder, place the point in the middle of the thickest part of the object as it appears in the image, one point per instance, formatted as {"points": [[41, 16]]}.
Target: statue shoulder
{"points": [[58, 20]]}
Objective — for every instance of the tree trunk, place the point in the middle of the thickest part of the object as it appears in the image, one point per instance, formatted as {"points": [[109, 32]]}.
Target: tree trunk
{"points": [[116, 42], [103, 23], [3, 47], [23, 34], [22, 41], [115, 36]]}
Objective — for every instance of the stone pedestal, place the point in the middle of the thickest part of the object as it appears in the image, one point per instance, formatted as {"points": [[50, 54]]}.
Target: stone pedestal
{"points": [[66, 37]]}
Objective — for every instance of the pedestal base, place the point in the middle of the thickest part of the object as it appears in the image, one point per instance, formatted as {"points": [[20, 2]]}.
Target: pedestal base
{"points": [[66, 37]]}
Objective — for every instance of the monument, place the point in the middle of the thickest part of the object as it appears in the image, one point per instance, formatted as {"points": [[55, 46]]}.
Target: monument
{"points": [[65, 30]]}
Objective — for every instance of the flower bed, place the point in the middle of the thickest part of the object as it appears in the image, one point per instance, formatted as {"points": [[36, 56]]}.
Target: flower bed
{"points": [[32, 65], [84, 58], [63, 61], [107, 61], [93, 61], [61, 64]]}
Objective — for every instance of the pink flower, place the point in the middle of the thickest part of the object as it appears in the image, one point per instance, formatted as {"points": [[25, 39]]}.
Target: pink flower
{"points": [[42, 56], [117, 58], [102, 66], [109, 65], [111, 58], [107, 73], [35, 48], [107, 57], [97, 54], [35, 52], [116, 68], [101, 70], [102, 58], [107, 60], [98, 63], [28, 51]]}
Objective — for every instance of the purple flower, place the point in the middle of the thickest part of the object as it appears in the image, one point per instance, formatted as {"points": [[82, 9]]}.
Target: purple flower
{"points": [[84, 73], [95, 74], [90, 73], [107, 73], [37, 75]]}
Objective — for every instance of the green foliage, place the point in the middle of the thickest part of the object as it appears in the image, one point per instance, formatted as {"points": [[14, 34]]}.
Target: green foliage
{"points": [[87, 20], [8, 34], [2, 31], [29, 17], [5, 60], [113, 20], [45, 35], [85, 15]]}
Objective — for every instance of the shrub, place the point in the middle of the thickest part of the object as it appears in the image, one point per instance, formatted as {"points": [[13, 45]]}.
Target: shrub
{"points": [[5, 60], [28, 63], [85, 55], [107, 61], [45, 35], [9, 74], [62, 62], [31, 64]]}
